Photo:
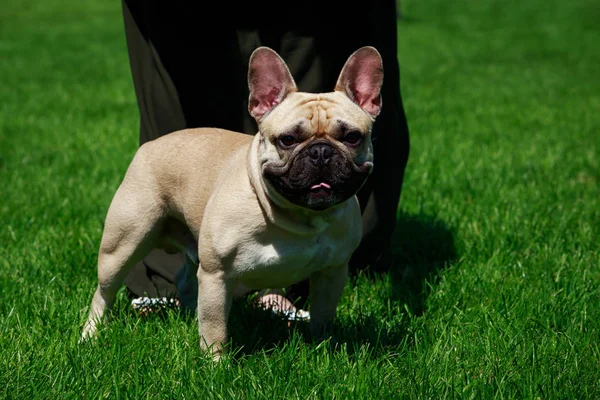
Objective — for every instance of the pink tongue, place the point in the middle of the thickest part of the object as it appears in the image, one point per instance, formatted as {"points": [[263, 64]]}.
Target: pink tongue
{"points": [[322, 184]]}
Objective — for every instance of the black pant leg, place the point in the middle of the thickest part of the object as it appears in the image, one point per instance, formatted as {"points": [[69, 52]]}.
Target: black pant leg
{"points": [[160, 113], [186, 74]]}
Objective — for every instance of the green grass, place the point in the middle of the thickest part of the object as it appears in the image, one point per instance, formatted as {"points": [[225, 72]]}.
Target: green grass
{"points": [[495, 289]]}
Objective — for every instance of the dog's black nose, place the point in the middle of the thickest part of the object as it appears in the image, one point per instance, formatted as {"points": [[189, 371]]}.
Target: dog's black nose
{"points": [[320, 153]]}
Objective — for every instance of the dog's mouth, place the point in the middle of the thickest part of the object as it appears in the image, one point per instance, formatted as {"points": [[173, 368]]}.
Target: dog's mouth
{"points": [[320, 187], [316, 185], [320, 191]]}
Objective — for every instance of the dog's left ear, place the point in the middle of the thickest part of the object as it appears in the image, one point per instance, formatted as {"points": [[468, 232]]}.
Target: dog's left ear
{"points": [[269, 81], [361, 79]]}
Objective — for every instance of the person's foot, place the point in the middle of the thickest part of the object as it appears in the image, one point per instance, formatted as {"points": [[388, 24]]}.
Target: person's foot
{"points": [[149, 305], [269, 300], [280, 305]]}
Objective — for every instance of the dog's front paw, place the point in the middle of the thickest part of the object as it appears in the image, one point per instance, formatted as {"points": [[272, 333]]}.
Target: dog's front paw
{"points": [[216, 350], [89, 331]]}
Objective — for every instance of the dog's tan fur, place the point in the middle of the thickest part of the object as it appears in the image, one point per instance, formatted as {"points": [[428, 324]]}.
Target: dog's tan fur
{"points": [[203, 192]]}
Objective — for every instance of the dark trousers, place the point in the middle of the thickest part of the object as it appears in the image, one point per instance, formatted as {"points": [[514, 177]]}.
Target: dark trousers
{"points": [[189, 68]]}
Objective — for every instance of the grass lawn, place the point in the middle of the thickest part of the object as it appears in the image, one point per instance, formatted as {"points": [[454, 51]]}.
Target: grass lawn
{"points": [[495, 287]]}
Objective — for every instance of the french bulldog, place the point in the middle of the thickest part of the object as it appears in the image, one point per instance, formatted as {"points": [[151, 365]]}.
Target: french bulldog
{"points": [[251, 212]]}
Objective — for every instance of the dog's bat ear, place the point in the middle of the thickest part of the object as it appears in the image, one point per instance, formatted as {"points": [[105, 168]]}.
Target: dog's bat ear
{"points": [[269, 81], [361, 79]]}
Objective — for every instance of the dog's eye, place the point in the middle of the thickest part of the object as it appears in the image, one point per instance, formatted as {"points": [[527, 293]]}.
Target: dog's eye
{"points": [[353, 138], [287, 140]]}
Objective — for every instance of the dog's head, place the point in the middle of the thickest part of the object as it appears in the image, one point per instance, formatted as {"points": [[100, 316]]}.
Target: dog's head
{"points": [[315, 150]]}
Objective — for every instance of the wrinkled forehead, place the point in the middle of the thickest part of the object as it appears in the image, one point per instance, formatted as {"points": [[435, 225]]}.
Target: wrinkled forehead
{"points": [[320, 114]]}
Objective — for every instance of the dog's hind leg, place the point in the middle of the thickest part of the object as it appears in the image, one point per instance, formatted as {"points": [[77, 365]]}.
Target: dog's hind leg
{"points": [[133, 225]]}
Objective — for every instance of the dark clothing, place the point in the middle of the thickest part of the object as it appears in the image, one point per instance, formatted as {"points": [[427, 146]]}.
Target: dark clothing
{"points": [[189, 67]]}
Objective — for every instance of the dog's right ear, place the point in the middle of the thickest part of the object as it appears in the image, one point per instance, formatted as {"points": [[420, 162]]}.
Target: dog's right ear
{"points": [[269, 81]]}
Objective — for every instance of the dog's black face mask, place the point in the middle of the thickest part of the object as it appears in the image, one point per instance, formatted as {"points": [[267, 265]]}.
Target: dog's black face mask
{"points": [[318, 176]]}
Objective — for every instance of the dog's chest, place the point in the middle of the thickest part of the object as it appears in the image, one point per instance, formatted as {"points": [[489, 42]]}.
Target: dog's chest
{"points": [[282, 262]]}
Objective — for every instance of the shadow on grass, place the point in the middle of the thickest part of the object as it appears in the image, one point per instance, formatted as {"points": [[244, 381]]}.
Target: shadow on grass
{"points": [[422, 246]]}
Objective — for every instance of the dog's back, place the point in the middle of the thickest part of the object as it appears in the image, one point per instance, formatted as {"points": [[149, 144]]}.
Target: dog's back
{"points": [[200, 152]]}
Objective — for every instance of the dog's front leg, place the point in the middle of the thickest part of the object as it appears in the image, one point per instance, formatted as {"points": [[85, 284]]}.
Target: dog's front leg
{"points": [[326, 287], [214, 303]]}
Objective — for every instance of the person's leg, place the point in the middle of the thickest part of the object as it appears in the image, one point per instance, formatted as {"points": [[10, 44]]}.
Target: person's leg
{"points": [[165, 42], [160, 113], [380, 197]]}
